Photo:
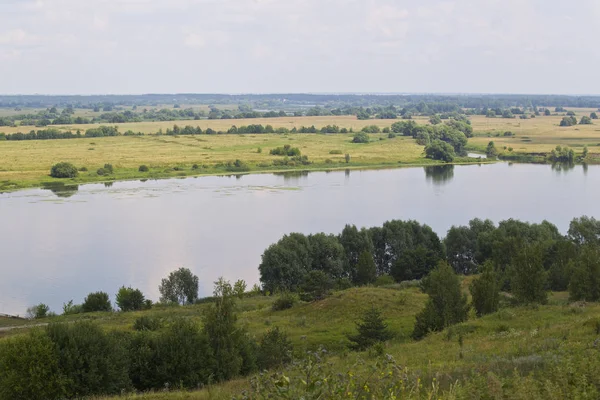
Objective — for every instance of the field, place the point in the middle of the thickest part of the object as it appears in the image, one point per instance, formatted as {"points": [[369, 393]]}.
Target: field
{"points": [[27, 163], [509, 343]]}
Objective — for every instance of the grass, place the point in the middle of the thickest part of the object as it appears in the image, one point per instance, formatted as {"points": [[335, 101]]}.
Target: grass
{"points": [[27, 163], [513, 340]]}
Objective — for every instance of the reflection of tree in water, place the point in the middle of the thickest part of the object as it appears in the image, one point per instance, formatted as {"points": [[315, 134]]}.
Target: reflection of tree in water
{"points": [[60, 189], [108, 184], [292, 175], [439, 174], [562, 166]]}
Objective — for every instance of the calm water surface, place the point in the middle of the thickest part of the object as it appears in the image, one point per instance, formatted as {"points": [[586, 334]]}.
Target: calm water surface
{"points": [[61, 246]]}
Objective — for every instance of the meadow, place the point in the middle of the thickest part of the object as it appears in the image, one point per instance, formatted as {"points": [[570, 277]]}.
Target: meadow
{"points": [[27, 163]]}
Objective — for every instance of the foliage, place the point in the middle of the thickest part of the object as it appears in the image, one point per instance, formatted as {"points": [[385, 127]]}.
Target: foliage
{"points": [[97, 301], [181, 287], [286, 150], [275, 349], [366, 270], [562, 154], [361, 137], [584, 230], [439, 150], [143, 168], [384, 280], [129, 299], [371, 329], [585, 278], [64, 170], [147, 323], [465, 250], [316, 285], [354, 242], [414, 263], [568, 121], [485, 291], [239, 288], [491, 151], [285, 301], [39, 311], [585, 120], [70, 309], [446, 306], [529, 278]]}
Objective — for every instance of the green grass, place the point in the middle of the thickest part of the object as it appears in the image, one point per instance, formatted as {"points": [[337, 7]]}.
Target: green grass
{"points": [[514, 340]]}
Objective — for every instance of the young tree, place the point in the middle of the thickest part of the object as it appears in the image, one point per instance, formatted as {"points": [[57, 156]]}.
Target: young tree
{"points": [[37, 312], [371, 329], [239, 288], [439, 150], [97, 301], [593, 116], [529, 278], [585, 120], [275, 349], [180, 287], [547, 112], [585, 278], [316, 285], [129, 299], [485, 291], [491, 151], [446, 306], [366, 270], [584, 230]]}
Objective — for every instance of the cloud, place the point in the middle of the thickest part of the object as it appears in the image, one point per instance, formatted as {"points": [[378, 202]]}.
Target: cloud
{"points": [[18, 38]]}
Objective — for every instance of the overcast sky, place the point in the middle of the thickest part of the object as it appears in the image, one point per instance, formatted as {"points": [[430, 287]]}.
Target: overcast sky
{"points": [[274, 46]]}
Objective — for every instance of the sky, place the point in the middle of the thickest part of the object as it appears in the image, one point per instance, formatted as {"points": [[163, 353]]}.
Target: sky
{"points": [[283, 46]]}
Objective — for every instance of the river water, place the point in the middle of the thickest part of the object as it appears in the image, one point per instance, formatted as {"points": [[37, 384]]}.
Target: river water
{"points": [[59, 245]]}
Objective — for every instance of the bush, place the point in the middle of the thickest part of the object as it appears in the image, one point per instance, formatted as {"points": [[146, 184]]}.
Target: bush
{"points": [[360, 137], [371, 329], [83, 169], [485, 291], [286, 150], [384, 280], [101, 171], [71, 309], [92, 361], [284, 301], [147, 323], [143, 168], [335, 152], [97, 301], [129, 299], [108, 168], [439, 150], [37, 312], [29, 368], [315, 285], [275, 349], [64, 170]]}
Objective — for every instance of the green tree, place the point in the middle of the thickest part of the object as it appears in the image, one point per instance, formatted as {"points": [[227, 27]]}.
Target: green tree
{"points": [[593, 116], [585, 278], [414, 263], [97, 301], [129, 299], [529, 277], [485, 292], [355, 242], [491, 151], [37, 312], [585, 120], [371, 329], [239, 288], [63, 170], [435, 119], [316, 285], [439, 150], [547, 112], [361, 137], [181, 287], [275, 349], [584, 230], [327, 254], [466, 246], [446, 305], [366, 270], [285, 263]]}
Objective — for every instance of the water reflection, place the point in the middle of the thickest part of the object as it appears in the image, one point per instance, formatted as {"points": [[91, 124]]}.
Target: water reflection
{"points": [[292, 176], [61, 189], [108, 184], [563, 166], [439, 174]]}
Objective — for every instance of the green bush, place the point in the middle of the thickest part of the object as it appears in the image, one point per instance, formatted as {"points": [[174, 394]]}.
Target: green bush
{"points": [[37, 312], [143, 168], [101, 171], [485, 292], [64, 170], [315, 285], [366, 270], [284, 301], [371, 329], [335, 152], [29, 369], [97, 301], [108, 168], [361, 137], [384, 280], [286, 150], [129, 299], [275, 349], [147, 323]]}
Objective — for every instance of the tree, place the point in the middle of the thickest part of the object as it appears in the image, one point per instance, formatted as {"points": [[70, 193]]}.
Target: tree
{"points": [[446, 306], [485, 291], [547, 112], [585, 278], [37, 312], [181, 287], [568, 121], [316, 285], [491, 151], [435, 119], [585, 152], [585, 230], [371, 329], [585, 120], [466, 246], [361, 137], [327, 254], [414, 264], [439, 150], [366, 271], [529, 277], [355, 243], [275, 349], [129, 299], [593, 116], [239, 288], [64, 170], [285, 263], [97, 301]]}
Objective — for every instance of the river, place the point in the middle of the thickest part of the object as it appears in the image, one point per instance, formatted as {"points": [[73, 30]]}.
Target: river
{"points": [[59, 245]]}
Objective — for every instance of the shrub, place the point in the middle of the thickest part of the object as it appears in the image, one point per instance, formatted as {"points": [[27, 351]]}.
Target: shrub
{"points": [[179, 287], [439, 150], [83, 169], [143, 168], [64, 170], [37, 312], [315, 285], [529, 277], [286, 150], [195, 167], [92, 361], [239, 288], [259, 150], [391, 135], [347, 158], [97, 301], [446, 306], [71, 309], [129, 299], [147, 323], [29, 368], [485, 291], [335, 152], [108, 168], [360, 137], [384, 280], [366, 271], [237, 166], [284, 301], [275, 349], [371, 329], [101, 171]]}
